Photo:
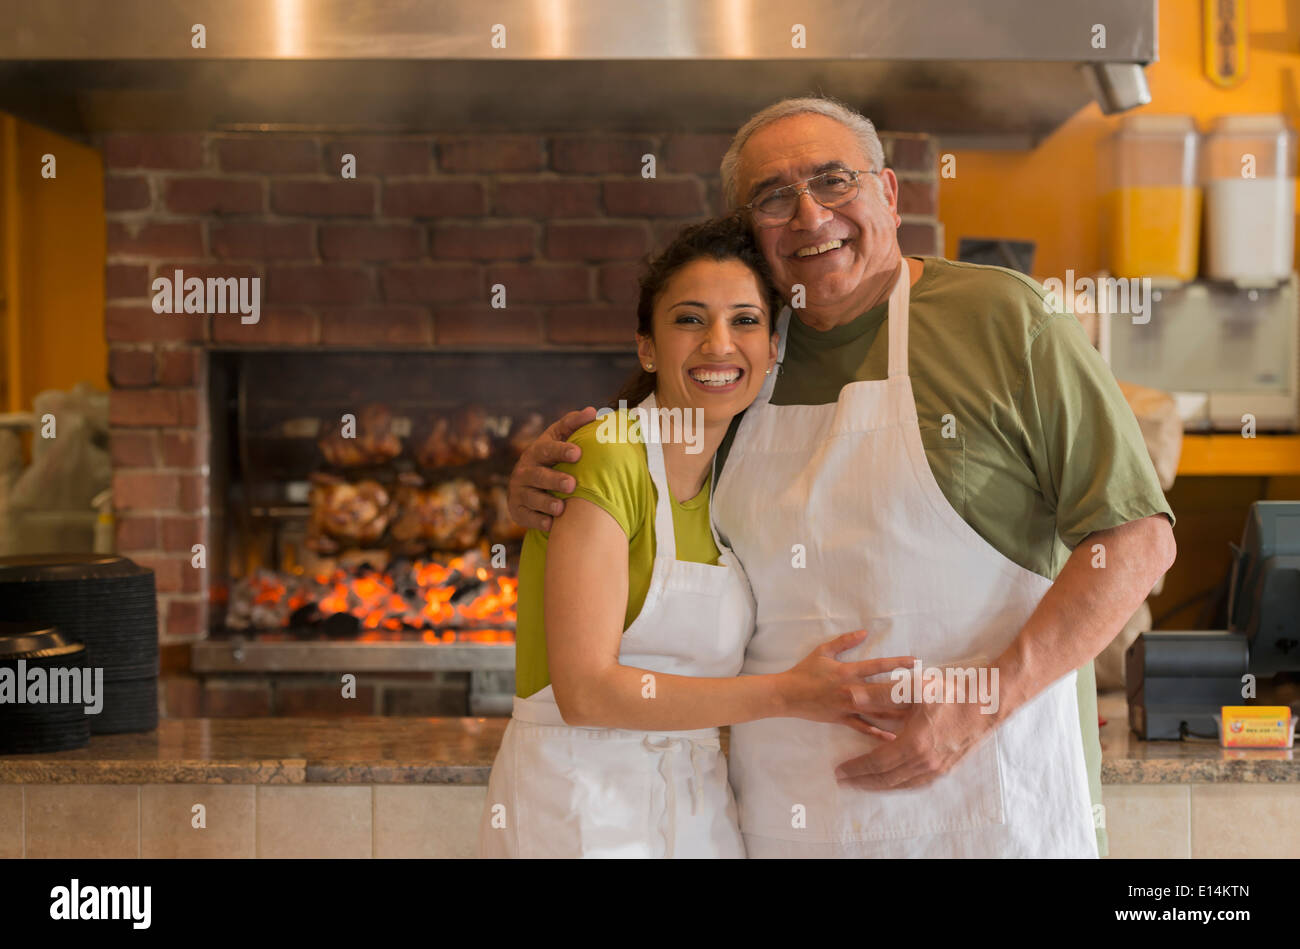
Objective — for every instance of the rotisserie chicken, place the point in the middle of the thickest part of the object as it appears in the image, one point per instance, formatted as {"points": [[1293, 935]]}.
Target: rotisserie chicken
{"points": [[503, 530], [346, 515], [374, 442], [444, 517], [525, 432], [459, 441]]}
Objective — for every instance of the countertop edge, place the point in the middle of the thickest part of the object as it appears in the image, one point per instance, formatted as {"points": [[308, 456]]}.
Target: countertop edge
{"points": [[460, 751], [114, 771]]}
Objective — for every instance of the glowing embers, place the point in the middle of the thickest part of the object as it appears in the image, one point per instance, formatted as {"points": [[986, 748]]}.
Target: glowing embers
{"points": [[460, 599]]}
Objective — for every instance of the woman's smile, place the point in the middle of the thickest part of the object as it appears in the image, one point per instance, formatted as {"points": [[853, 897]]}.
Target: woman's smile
{"points": [[723, 377]]}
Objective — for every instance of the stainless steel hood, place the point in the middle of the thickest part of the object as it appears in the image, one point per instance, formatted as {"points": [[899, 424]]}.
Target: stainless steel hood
{"points": [[1007, 72]]}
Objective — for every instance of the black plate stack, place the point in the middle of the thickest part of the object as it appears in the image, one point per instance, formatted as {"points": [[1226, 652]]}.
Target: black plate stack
{"points": [[33, 728], [107, 603]]}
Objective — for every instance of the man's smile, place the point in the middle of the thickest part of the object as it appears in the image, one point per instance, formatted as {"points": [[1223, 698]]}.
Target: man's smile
{"points": [[816, 250]]}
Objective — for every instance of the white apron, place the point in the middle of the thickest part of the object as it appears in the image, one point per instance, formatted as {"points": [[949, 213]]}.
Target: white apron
{"points": [[885, 552], [563, 791]]}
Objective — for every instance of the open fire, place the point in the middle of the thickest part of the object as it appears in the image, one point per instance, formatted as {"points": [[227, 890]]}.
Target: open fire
{"points": [[458, 599]]}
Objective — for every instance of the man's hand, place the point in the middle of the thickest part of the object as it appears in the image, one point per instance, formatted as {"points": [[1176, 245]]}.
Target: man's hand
{"points": [[1083, 610], [934, 738], [530, 504]]}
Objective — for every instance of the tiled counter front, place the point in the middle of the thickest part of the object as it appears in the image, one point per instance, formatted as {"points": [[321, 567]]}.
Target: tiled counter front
{"points": [[402, 787], [243, 820], [1194, 799], [1203, 820]]}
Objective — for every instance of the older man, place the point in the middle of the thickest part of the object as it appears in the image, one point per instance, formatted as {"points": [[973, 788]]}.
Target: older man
{"points": [[943, 461]]}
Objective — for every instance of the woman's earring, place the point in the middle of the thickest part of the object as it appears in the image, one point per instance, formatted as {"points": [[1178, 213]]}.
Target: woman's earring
{"points": [[768, 373], [649, 367]]}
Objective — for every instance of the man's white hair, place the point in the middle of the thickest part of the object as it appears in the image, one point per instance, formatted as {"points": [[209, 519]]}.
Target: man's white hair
{"points": [[861, 127]]}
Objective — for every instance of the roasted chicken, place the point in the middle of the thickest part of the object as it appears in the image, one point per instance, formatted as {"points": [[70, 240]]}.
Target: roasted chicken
{"points": [[346, 515], [525, 432], [372, 442], [503, 530], [458, 441], [444, 517]]}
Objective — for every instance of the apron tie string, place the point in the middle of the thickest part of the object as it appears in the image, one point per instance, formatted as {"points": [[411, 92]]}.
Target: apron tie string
{"points": [[666, 745]]}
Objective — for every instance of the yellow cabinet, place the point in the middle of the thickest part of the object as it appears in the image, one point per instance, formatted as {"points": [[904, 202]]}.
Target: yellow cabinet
{"points": [[51, 264]]}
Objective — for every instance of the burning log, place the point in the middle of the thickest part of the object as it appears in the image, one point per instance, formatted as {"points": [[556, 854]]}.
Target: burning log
{"points": [[460, 594]]}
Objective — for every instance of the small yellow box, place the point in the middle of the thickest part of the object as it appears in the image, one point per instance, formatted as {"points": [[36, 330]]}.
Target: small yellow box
{"points": [[1256, 726]]}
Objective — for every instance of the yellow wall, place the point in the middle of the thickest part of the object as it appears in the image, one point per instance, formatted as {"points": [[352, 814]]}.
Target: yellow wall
{"points": [[1051, 195], [51, 264]]}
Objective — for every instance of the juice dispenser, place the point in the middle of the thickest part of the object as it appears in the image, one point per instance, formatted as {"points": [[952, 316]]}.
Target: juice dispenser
{"points": [[1152, 208], [1248, 167]]}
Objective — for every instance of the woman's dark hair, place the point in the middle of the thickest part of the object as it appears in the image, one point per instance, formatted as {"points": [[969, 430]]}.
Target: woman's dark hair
{"points": [[720, 239]]}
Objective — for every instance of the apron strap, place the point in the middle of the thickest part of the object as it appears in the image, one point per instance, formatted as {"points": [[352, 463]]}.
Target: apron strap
{"points": [[769, 384], [665, 538], [763, 398], [897, 319], [713, 528], [782, 324]]}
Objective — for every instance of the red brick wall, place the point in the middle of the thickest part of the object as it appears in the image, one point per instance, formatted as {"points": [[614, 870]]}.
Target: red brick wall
{"points": [[404, 254]]}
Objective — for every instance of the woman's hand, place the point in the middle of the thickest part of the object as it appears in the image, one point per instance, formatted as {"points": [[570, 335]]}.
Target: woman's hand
{"points": [[821, 688], [533, 476]]}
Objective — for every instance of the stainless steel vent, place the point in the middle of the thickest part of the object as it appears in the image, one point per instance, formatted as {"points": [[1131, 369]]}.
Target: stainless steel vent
{"points": [[1000, 69]]}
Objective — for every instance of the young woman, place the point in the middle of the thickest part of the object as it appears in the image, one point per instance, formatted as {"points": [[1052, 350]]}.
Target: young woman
{"points": [[633, 615]]}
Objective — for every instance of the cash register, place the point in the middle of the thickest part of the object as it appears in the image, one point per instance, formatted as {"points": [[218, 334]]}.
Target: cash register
{"points": [[1177, 681]]}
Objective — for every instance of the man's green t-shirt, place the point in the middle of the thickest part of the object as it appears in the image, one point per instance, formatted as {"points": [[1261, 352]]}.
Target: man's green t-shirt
{"points": [[1024, 427], [615, 476]]}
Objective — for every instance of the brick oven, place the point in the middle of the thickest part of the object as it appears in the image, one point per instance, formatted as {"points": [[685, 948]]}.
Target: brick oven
{"points": [[375, 289]]}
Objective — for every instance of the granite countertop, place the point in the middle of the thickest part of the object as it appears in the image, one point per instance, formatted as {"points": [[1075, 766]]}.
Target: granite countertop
{"points": [[378, 750], [1127, 759], [362, 750]]}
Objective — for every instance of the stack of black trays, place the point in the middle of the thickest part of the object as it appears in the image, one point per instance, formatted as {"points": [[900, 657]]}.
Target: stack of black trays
{"points": [[107, 603], [42, 726]]}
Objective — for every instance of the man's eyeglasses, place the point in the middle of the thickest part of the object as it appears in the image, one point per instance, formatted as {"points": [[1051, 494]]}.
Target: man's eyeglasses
{"points": [[830, 189]]}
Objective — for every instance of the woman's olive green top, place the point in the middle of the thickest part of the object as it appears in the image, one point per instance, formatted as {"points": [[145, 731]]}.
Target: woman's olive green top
{"points": [[614, 476]]}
